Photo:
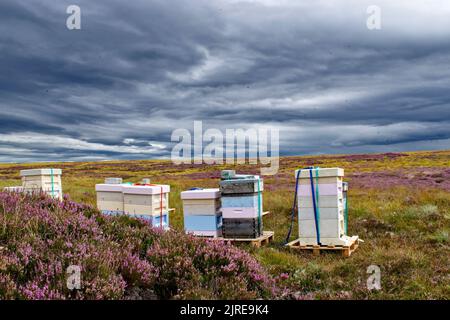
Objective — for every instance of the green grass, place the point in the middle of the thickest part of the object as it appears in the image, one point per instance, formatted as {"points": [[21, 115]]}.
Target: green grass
{"points": [[405, 228]]}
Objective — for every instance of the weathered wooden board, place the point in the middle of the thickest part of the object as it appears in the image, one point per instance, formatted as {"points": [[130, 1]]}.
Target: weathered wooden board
{"points": [[265, 238]]}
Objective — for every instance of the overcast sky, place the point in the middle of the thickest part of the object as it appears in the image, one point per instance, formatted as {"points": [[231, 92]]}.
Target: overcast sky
{"points": [[137, 70]]}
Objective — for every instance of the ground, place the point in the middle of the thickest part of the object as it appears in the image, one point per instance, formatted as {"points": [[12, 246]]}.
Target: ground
{"points": [[399, 204]]}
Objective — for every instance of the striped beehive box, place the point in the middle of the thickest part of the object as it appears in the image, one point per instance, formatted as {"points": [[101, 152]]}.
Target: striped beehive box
{"points": [[324, 222], [201, 210], [241, 206], [150, 202], [45, 180]]}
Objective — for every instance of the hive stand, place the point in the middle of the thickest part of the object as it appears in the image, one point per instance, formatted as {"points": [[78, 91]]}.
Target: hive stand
{"points": [[316, 249], [266, 238]]}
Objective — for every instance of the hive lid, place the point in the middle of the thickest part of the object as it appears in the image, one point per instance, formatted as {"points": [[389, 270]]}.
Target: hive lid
{"points": [[154, 189], [243, 180], [40, 172], [201, 194], [109, 187], [245, 176], [323, 172]]}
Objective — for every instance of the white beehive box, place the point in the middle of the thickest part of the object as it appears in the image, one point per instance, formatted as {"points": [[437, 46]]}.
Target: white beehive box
{"points": [[323, 173], [110, 198], [201, 202], [45, 180], [146, 199], [328, 189], [201, 210]]}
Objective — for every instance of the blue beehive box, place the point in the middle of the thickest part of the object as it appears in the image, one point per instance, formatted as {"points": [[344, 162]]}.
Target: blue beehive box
{"points": [[241, 200], [202, 222], [201, 211], [155, 220]]}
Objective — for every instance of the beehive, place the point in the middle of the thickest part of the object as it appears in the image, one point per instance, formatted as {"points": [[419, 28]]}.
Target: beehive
{"points": [[326, 222], [150, 202], [110, 197], [45, 180], [201, 210], [241, 205]]}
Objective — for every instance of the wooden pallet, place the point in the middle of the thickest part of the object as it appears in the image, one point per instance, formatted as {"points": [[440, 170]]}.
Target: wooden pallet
{"points": [[266, 238], [316, 249]]}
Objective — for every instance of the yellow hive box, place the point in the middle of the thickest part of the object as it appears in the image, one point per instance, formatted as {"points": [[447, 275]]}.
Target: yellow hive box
{"points": [[110, 198], [146, 199], [201, 201]]}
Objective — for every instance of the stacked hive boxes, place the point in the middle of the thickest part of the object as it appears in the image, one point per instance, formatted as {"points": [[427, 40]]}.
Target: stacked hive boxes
{"points": [[201, 209], [241, 205], [150, 202], [110, 196], [324, 222], [45, 180]]}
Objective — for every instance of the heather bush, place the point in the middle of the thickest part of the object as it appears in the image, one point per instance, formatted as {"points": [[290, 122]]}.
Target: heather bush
{"points": [[119, 257]]}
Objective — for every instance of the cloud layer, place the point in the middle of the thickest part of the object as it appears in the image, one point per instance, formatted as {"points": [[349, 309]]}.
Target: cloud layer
{"points": [[137, 70]]}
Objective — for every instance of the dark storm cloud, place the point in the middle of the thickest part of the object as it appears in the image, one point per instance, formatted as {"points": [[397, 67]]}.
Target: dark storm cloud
{"points": [[137, 70]]}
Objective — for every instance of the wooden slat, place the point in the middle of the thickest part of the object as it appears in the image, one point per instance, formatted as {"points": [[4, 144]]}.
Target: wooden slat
{"points": [[346, 250], [266, 238]]}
